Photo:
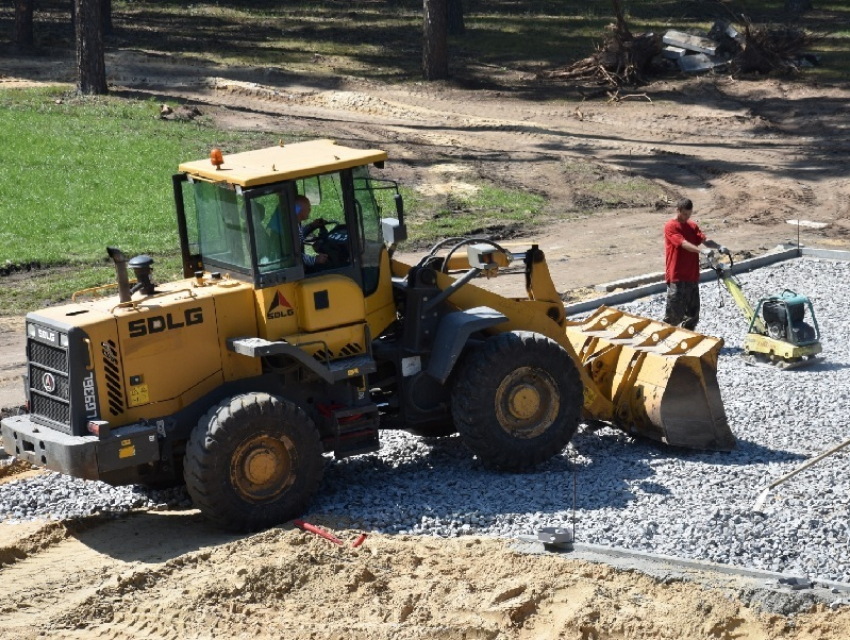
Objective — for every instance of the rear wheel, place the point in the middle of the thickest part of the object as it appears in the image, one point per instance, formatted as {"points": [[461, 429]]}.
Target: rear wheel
{"points": [[253, 461], [518, 400]]}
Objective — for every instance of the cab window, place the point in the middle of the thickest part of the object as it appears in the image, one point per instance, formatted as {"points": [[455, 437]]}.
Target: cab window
{"points": [[272, 232], [222, 232], [217, 221], [370, 203], [327, 203]]}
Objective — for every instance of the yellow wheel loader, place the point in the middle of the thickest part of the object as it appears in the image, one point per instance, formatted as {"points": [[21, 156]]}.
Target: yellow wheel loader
{"points": [[280, 345]]}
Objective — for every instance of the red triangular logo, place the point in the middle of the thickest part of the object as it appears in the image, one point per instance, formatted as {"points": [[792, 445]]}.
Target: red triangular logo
{"points": [[279, 301]]}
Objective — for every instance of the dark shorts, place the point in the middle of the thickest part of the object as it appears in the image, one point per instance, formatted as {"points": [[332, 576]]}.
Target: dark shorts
{"points": [[682, 304]]}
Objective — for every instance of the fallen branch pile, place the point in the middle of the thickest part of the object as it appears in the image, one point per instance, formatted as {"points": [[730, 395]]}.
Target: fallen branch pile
{"points": [[769, 49], [622, 59]]}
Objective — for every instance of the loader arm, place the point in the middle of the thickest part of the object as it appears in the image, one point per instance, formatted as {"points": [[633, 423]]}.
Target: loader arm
{"points": [[537, 314], [645, 377]]}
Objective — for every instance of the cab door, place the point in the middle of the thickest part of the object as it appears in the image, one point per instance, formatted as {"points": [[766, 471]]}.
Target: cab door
{"points": [[371, 199], [330, 300]]}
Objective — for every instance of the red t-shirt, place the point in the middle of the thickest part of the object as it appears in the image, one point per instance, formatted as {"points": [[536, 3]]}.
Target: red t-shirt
{"points": [[681, 265]]}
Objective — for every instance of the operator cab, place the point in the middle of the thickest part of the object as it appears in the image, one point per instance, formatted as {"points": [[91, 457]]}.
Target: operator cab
{"points": [[238, 214]]}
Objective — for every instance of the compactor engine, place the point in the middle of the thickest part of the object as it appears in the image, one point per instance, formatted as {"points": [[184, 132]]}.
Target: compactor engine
{"points": [[295, 333]]}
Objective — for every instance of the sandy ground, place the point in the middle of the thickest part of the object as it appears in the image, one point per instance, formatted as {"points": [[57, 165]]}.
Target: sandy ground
{"points": [[751, 155], [168, 575]]}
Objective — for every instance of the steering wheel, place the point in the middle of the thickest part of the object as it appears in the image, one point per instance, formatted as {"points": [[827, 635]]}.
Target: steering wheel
{"points": [[319, 229], [331, 238]]}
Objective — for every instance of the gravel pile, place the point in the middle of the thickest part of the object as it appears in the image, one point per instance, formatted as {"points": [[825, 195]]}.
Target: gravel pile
{"points": [[645, 496], [617, 490], [57, 497]]}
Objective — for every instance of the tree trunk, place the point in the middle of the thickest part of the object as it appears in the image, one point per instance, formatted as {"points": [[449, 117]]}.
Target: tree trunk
{"points": [[106, 16], [105, 13], [90, 59], [435, 54], [23, 25], [456, 25]]}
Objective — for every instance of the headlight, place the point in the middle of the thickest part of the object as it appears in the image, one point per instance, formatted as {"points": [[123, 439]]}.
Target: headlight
{"points": [[63, 340], [31, 330]]}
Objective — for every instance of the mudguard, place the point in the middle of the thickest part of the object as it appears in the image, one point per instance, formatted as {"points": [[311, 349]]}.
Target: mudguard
{"points": [[452, 335]]}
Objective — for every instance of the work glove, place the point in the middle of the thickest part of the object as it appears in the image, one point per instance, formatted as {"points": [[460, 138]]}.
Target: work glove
{"points": [[724, 251]]}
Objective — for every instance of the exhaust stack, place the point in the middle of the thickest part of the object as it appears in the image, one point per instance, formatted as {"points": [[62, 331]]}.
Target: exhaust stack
{"points": [[120, 260]]}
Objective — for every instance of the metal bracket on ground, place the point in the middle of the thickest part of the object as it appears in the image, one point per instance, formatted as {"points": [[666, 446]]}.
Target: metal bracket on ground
{"points": [[556, 537]]}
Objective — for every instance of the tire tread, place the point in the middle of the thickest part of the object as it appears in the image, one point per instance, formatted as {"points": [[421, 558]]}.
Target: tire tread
{"points": [[473, 400]]}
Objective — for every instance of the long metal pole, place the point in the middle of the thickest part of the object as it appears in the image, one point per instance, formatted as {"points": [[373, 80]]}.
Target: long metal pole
{"points": [[757, 505]]}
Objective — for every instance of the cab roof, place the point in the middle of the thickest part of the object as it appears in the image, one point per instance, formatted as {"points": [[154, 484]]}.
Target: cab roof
{"points": [[283, 162]]}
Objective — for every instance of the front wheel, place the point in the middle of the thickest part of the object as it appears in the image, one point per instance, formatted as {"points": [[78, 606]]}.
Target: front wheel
{"points": [[253, 461], [518, 400]]}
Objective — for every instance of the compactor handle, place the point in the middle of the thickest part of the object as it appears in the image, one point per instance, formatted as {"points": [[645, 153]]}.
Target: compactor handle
{"points": [[714, 263]]}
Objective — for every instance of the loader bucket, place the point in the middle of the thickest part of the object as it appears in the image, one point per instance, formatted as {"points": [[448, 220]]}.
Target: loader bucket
{"points": [[659, 381]]}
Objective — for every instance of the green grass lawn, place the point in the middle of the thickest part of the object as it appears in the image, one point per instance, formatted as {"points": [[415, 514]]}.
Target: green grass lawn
{"points": [[85, 173], [81, 174], [488, 211]]}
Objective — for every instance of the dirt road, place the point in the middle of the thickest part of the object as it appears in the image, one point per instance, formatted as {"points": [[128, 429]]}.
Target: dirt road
{"points": [[750, 154]]}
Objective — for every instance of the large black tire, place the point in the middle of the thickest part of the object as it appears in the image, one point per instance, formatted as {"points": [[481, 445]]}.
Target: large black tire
{"points": [[253, 461], [517, 401]]}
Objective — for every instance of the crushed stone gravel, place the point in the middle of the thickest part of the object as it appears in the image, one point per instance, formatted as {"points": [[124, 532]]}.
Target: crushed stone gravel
{"points": [[615, 490]]}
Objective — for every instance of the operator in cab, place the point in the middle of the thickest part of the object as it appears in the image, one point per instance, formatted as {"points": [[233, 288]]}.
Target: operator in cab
{"points": [[302, 212]]}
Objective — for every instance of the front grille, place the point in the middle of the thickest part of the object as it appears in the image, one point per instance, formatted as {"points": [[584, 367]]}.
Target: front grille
{"points": [[50, 393], [52, 409], [37, 382], [50, 357]]}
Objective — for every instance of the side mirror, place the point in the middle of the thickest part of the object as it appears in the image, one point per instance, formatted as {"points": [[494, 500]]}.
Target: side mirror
{"points": [[394, 232]]}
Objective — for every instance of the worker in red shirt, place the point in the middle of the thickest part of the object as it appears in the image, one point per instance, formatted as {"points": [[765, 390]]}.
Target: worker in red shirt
{"points": [[682, 241]]}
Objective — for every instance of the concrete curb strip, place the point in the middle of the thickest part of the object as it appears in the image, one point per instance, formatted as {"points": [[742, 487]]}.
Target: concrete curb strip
{"points": [[628, 283], [657, 284], [653, 563]]}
